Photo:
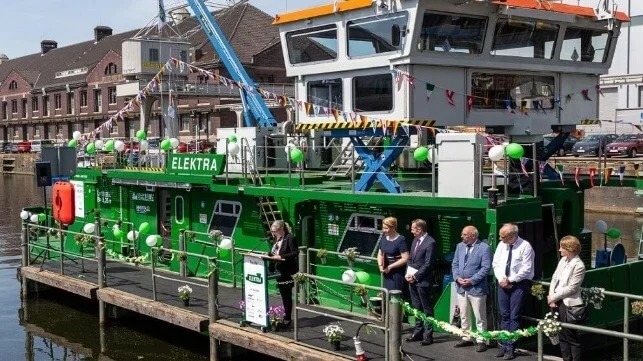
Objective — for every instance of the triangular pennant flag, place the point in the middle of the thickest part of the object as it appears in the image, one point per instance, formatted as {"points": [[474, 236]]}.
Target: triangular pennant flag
{"points": [[576, 176], [608, 174], [374, 124], [308, 106], [585, 93], [405, 128], [411, 81], [395, 124], [523, 165], [592, 174], [429, 90], [599, 91], [316, 109], [560, 168], [450, 94], [469, 102], [621, 173], [336, 114]]}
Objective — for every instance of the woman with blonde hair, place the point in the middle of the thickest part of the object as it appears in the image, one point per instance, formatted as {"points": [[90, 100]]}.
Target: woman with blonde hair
{"points": [[284, 251], [392, 256], [565, 295]]}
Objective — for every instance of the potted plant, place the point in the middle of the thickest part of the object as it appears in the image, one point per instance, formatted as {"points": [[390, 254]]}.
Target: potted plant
{"points": [[351, 254], [321, 254], [361, 291], [637, 308], [276, 315], [593, 295], [334, 334], [550, 326], [185, 292], [242, 307], [538, 291], [299, 277], [216, 236]]}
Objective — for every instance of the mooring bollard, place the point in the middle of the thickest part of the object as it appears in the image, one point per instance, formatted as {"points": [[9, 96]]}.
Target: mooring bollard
{"points": [[395, 325], [303, 255]]}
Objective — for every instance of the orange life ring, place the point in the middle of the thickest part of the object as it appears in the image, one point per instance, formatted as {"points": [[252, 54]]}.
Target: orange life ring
{"points": [[64, 208]]}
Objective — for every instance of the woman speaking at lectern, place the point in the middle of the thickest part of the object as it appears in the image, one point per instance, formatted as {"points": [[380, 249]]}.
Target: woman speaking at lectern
{"points": [[284, 250]]}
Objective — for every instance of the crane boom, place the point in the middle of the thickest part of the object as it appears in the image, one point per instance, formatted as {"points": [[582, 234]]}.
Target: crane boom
{"points": [[258, 114]]}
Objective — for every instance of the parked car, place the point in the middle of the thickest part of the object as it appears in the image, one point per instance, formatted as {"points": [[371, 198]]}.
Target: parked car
{"points": [[593, 144], [38, 144], [567, 146], [10, 148], [24, 147], [3, 145], [199, 146], [627, 144]]}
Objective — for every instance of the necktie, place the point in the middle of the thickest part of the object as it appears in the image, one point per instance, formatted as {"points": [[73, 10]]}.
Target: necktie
{"points": [[466, 254], [417, 245], [508, 267]]}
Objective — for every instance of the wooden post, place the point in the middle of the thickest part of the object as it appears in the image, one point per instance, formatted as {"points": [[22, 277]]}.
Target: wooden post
{"points": [[213, 313], [182, 248], [99, 246], [395, 325], [24, 285], [303, 255]]}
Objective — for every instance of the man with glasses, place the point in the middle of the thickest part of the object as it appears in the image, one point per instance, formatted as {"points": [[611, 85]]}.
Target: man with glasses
{"points": [[470, 268], [513, 266]]}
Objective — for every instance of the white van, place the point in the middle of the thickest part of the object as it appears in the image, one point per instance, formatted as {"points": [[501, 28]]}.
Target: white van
{"points": [[37, 144]]}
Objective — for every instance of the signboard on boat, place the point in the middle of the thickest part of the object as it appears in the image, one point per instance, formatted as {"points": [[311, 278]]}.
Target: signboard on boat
{"points": [[196, 164], [79, 201], [255, 294]]}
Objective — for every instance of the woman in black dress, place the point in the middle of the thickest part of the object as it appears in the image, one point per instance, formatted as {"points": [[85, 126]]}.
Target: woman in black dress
{"points": [[285, 250], [392, 256]]}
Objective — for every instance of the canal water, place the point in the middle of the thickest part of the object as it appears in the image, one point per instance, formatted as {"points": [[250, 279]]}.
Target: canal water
{"points": [[60, 327]]}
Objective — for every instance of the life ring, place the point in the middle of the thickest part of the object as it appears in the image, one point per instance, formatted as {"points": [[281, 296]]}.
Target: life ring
{"points": [[63, 203]]}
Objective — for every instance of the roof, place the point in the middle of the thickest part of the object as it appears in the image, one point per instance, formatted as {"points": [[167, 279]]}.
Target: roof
{"points": [[348, 5]]}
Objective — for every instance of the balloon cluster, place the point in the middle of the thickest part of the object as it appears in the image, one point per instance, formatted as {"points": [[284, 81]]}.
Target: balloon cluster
{"points": [[233, 146], [350, 276], [295, 154], [423, 153], [512, 150], [33, 217]]}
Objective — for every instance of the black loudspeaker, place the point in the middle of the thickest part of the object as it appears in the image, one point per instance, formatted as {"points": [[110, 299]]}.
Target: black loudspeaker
{"points": [[43, 174]]}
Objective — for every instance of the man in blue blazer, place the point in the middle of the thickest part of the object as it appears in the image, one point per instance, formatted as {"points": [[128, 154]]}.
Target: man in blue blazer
{"points": [[470, 267], [419, 275]]}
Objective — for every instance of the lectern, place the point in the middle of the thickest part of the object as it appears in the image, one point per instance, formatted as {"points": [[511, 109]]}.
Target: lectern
{"points": [[255, 289]]}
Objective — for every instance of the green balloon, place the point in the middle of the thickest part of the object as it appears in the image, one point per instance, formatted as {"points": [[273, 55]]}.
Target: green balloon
{"points": [[109, 146], [362, 277], [144, 227], [91, 148], [166, 145], [232, 138], [41, 217], [514, 150], [141, 135], [73, 143], [614, 233], [296, 155], [223, 253], [421, 154], [118, 233]]}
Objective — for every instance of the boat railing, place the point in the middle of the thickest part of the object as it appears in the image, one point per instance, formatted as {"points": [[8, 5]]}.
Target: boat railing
{"points": [[129, 226], [186, 235], [626, 336], [210, 261]]}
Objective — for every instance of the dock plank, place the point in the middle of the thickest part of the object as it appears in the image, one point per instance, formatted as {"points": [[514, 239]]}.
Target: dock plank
{"points": [[69, 284]]}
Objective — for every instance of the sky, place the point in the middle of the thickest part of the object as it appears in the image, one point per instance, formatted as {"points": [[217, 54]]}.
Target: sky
{"points": [[25, 23]]}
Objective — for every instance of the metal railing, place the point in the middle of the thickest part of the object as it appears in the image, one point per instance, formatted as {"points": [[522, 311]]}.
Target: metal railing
{"points": [[625, 335], [185, 233]]}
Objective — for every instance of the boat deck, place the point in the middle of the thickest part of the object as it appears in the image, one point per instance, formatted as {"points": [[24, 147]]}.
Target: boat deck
{"points": [[130, 287]]}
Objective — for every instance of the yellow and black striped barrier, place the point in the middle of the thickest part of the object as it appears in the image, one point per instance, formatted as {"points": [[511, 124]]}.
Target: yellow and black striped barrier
{"points": [[363, 124], [590, 122], [146, 169]]}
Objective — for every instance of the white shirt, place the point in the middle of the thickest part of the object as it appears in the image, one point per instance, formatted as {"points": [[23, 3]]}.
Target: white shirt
{"points": [[522, 261]]}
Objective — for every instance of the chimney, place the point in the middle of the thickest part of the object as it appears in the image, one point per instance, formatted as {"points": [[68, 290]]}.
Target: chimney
{"points": [[101, 31], [47, 45]]}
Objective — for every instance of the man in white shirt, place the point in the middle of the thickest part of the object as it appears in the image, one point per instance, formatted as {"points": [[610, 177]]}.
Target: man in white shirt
{"points": [[513, 266]]}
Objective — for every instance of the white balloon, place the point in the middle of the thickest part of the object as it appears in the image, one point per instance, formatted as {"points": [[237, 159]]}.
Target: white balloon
{"points": [[34, 218], [349, 276], [174, 143], [430, 158], [143, 145], [601, 226], [288, 147], [226, 243], [89, 228], [24, 215], [132, 235], [119, 145], [99, 144], [77, 135], [496, 153], [233, 149], [151, 240]]}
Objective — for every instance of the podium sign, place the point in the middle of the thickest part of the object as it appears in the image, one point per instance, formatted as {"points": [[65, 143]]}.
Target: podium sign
{"points": [[255, 295]]}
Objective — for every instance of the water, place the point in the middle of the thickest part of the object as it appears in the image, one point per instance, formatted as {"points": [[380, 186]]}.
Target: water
{"points": [[58, 326]]}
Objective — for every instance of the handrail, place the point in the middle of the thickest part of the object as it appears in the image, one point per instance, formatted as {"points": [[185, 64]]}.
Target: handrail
{"points": [[182, 247], [155, 250]]}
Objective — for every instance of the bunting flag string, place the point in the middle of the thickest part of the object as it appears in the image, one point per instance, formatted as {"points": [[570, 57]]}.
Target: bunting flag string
{"points": [[585, 93], [450, 94]]}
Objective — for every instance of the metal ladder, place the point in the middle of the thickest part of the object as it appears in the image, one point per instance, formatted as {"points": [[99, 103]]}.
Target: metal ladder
{"points": [[345, 163]]}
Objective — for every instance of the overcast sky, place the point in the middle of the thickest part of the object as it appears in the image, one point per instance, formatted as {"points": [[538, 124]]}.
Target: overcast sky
{"points": [[25, 23]]}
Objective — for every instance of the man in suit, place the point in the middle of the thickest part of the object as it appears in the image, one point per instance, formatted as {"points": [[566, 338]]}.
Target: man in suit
{"points": [[513, 266], [419, 275], [470, 267]]}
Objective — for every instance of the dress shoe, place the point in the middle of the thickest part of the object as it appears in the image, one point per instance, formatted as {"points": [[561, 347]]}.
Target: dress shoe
{"points": [[414, 338], [463, 343], [481, 347], [426, 342], [509, 355], [500, 353]]}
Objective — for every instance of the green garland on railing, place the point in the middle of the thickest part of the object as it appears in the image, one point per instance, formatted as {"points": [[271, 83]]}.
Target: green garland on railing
{"points": [[487, 335]]}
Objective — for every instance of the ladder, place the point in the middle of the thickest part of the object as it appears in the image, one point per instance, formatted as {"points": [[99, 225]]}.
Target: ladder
{"points": [[346, 163]]}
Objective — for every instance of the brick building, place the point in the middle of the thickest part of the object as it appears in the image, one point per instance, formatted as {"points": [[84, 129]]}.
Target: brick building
{"points": [[51, 94]]}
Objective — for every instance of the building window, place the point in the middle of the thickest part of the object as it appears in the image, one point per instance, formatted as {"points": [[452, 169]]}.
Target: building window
{"points": [[86, 125], [98, 101], [373, 93], [154, 55], [59, 130], [5, 110], [640, 97], [58, 104], [525, 38], [16, 132], [36, 131], [111, 69], [14, 107], [114, 129], [13, 85], [24, 108], [325, 93], [111, 94], [588, 45], [35, 106], [375, 35], [452, 33], [45, 105], [311, 45], [83, 98], [185, 122], [183, 55], [71, 103], [510, 91], [203, 79]]}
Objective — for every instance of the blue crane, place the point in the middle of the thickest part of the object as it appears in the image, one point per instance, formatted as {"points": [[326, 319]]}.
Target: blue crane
{"points": [[255, 110]]}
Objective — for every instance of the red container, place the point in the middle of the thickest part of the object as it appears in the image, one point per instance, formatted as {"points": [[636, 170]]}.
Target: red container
{"points": [[64, 208]]}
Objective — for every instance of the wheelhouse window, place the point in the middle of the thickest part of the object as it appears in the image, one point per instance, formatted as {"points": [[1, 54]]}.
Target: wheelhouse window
{"points": [[452, 33], [588, 45], [363, 232], [373, 93], [378, 34], [312, 45], [524, 38], [512, 91], [225, 217], [324, 93]]}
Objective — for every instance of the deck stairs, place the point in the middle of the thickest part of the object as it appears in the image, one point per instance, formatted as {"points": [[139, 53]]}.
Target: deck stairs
{"points": [[346, 162]]}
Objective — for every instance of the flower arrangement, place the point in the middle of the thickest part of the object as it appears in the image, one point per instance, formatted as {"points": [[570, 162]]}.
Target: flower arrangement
{"points": [[334, 332], [538, 291], [183, 256], [550, 326], [321, 254], [351, 253], [242, 306], [594, 295], [216, 235], [299, 277], [135, 260], [361, 291], [637, 308], [276, 315], [84, 240], [184, 292]]}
